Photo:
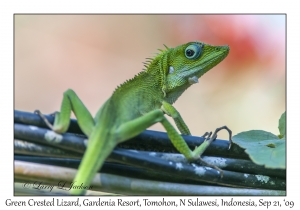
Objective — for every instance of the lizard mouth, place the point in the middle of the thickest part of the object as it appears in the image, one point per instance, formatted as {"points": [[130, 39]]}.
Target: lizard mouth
{"points": [[204, 66], [179, 80]]}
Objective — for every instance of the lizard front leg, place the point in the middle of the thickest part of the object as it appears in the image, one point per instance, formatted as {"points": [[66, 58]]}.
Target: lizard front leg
{"points": [[172, 112], [209, 138], [134, 127]]}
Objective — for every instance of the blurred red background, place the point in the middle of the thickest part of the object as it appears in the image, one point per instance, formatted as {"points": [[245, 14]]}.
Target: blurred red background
{"points": [[93, 54]]}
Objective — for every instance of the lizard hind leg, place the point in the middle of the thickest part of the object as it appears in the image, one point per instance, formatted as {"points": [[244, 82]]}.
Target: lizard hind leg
{"points": [[46, 121], [70, 102]]}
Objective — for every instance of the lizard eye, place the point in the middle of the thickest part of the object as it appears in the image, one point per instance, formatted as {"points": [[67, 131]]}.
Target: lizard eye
{"points": [[193, 51]]}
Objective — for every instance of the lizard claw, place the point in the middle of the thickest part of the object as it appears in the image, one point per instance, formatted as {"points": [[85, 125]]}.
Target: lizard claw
{"points": [[229, 132], [38, 112]]}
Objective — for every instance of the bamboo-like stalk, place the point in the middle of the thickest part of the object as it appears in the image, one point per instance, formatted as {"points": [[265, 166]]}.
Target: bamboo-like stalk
{"points": [[148, 157], [52, 175]]}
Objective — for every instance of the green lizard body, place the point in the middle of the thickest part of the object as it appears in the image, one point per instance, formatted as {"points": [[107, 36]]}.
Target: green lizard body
{"points": [[139, 103]]}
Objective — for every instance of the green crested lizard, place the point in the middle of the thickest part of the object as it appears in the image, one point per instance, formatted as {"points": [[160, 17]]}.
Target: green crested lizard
{"points": [[139, 103]]}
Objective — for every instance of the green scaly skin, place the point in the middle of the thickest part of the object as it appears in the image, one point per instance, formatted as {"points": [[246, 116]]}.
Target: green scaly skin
{"points": [[139, 103]]}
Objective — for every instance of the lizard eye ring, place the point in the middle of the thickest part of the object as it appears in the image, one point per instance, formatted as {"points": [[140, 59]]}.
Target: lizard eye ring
{"points": [[193, 51]]}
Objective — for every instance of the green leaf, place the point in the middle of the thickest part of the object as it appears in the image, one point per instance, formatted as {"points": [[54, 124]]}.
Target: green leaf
{"points": [[282, 125], [264, 148]]}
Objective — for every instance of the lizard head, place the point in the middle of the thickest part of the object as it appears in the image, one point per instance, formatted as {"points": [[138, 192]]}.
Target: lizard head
{"points": [[183, 65]]}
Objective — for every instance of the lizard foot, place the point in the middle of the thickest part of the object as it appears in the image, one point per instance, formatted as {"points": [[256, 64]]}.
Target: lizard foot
{"points": [[38, 112], [214, 136]]}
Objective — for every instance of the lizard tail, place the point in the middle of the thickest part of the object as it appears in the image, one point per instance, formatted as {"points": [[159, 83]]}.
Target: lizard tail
{"points": [[96, 153]]}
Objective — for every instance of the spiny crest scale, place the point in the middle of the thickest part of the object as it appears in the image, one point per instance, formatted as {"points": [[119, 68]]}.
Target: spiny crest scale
{"points": [[151, 60], [128, 80]]}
